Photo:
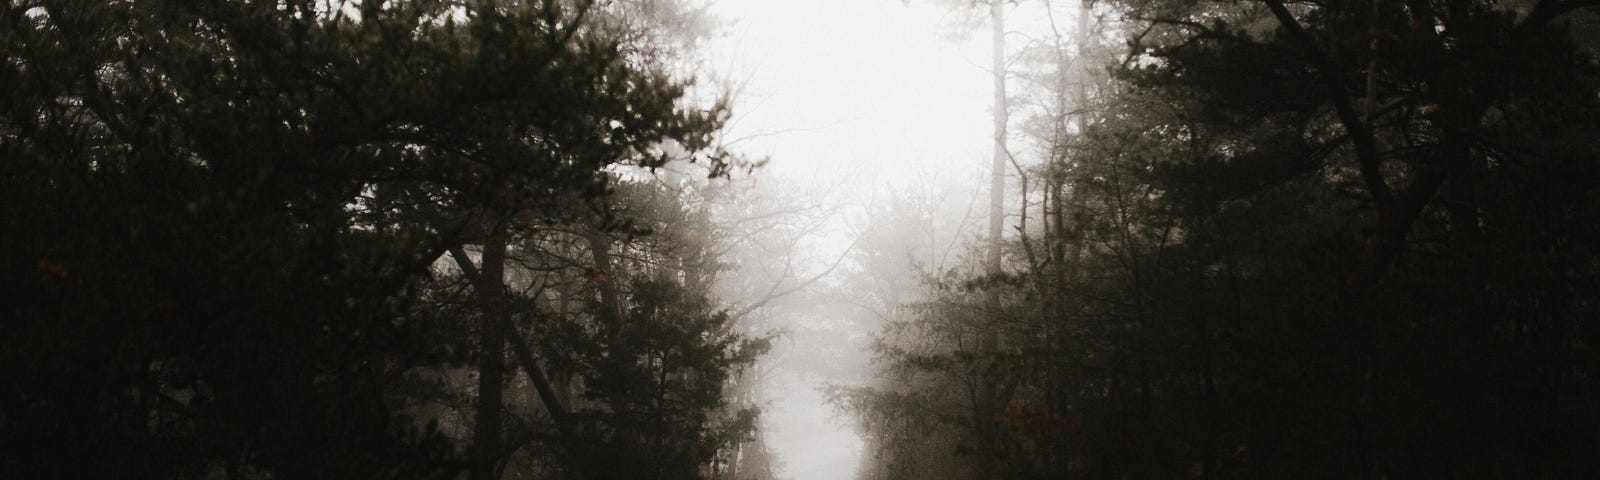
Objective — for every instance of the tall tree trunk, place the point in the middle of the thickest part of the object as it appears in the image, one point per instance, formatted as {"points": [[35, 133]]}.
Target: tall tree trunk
{"points": [[486, 448], [1084, 73], [547, 395], [997, 182], [989, 342]]}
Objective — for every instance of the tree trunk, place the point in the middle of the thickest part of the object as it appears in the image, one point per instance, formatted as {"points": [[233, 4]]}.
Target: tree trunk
{"points": [[989, 336], [486, 448], [610, 302], [997, 182], [611, 312]]}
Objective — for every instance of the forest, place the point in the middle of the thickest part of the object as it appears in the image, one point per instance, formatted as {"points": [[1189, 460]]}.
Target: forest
{"points": [[520, 239]]}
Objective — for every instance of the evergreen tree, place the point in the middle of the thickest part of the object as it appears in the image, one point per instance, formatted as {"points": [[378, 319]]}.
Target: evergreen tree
{"points": [[224, 223]]}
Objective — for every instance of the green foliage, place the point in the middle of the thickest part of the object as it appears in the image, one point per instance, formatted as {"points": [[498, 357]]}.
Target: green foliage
{"points": [[670, 370], [221, 222], [1331, 248]]}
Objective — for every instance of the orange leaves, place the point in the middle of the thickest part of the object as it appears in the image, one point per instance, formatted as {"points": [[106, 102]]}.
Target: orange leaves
{"points": [[52, 270], [1035, 420]]}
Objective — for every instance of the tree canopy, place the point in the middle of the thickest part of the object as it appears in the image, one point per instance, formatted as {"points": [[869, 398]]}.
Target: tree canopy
{"points": [[1270, 239], [283, 240]]}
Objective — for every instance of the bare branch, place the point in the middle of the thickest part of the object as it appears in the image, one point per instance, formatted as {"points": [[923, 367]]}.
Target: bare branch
{"points": [[774, 293]]}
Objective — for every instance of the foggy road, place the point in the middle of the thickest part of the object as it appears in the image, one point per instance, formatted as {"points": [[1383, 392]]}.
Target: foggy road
{"points": [[826, 240]]}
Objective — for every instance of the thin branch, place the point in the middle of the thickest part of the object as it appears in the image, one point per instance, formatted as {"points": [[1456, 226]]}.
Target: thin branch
{"points": [[774, 293]]}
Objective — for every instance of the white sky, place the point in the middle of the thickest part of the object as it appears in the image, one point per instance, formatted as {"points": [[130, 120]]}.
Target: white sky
{"points": [[864, 95], [864, 87]]}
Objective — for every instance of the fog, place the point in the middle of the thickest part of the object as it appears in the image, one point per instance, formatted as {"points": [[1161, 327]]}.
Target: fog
{"points": [[819, 240], [851, 101]]}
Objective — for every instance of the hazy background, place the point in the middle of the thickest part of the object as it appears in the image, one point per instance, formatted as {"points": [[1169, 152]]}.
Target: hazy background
{"points": [[852, 101]]}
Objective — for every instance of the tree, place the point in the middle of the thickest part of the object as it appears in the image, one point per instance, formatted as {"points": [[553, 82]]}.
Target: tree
{"points": [[1265, 282], [1399, 133], [223, 221]]}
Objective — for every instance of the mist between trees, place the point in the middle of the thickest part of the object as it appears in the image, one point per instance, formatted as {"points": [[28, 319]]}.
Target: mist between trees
{"points": [[508, 240]]}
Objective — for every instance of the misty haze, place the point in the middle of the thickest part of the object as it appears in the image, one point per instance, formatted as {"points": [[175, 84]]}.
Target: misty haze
{"points": [[799, 240]]}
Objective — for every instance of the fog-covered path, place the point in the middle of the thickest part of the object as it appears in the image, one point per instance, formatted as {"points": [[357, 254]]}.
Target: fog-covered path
{"points": [[850, 99]]}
